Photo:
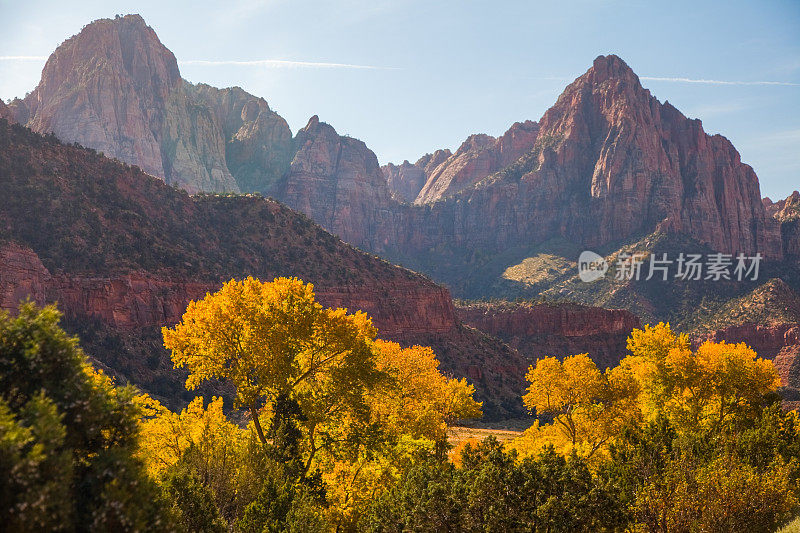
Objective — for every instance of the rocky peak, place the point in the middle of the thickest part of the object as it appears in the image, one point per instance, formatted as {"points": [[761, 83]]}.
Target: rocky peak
{"points": [[611, 67], [258, 141], [336, 180], [5, 112], [478, 156], [517, 141], [477, 141], [313, 124], [116, 88], [786, 209], [406, 180]]}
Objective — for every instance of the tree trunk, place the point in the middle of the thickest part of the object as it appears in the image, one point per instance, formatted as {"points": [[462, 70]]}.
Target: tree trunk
{"points": [[257, 423]]}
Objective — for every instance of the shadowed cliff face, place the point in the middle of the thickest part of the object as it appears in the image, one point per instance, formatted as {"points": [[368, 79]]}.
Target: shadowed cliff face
{"points": [[5, 112], [543, 330], [787, 213]]}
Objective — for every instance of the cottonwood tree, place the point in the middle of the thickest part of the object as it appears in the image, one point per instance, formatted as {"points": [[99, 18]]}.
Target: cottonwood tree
{"points": [[273, 340]]}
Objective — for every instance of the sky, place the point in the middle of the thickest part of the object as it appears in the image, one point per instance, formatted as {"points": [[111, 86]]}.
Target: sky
{"points": [[408, 77]]}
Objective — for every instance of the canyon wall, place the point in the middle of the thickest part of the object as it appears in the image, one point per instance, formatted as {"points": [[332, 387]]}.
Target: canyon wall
{"points": [[545, 330]]}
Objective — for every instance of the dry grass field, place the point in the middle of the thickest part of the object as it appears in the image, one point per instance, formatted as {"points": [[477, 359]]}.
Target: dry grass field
{"points": [[459, 434]]}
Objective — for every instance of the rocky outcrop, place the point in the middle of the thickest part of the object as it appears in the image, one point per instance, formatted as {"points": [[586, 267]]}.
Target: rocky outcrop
{"points": [[785, 209], [258, 141], [5, 112], [472, 162], [476, 158], [787, 213], [106, 88], [337, 182], [139, 299], [544, 330], [406, 180]]}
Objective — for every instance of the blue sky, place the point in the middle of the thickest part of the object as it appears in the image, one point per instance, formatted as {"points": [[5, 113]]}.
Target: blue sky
{"points": [[446, 69]]}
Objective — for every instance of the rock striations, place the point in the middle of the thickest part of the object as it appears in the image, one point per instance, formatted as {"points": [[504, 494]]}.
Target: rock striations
{"points": [[546, 330]]}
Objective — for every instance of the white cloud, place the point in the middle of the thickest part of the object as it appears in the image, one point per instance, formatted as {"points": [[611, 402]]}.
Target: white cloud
{"points": [[282, 63], [23, 58], [718, 82]]}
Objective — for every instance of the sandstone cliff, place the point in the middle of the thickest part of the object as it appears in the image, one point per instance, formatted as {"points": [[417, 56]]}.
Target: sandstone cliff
{"points": [[476, 158], [5, 112], [337, 182], [406, 180], [787, 213], [545, 330], [258, 141], [115, 88], [608, 163]]}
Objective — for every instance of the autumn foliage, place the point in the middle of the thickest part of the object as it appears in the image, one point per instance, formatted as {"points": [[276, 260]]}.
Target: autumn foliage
{"points": [[333, 429]]}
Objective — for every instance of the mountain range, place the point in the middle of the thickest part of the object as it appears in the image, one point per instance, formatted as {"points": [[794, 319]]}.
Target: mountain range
{"points": [[608, 168]]}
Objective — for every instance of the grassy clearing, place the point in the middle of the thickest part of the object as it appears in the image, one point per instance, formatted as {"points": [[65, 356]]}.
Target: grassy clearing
{"points": [[458, 434], [791, 527]]}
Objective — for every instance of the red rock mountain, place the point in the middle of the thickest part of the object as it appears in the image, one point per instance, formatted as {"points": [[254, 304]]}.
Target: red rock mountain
{"points": [[478, 157], [115, 88], [787, 213], [608, 162], [406, 180], [5, 112]]}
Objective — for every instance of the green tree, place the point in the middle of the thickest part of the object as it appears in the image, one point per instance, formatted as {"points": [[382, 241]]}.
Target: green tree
{"points": [[67, 435], [193, 503], [494, 491]]}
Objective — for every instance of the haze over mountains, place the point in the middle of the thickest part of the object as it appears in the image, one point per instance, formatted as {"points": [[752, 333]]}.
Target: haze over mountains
{"points": [[607, 167]]}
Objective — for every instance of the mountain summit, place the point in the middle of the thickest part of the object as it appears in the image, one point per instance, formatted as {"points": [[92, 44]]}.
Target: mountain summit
{"points": [[116, 88]]}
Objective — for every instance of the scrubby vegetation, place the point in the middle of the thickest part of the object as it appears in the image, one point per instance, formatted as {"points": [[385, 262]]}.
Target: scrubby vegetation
{"points": [[334, 430]]}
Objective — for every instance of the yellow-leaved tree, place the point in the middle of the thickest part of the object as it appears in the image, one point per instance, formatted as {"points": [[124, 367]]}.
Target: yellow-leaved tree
{"points": [[703, 388], [413, 408], [165, 435], [588, 407], [418, 400], [338, 401], [274, 340]]}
